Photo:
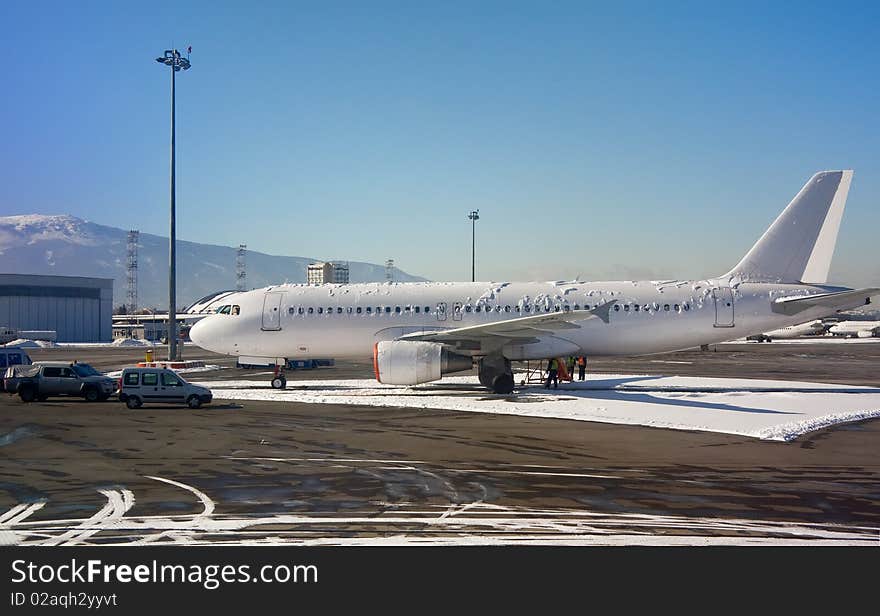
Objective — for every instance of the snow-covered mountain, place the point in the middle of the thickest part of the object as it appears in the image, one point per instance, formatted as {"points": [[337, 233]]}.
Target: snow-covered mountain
{"points": [[70, 246]]}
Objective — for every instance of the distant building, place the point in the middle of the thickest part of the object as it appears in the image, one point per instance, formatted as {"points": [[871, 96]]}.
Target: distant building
{"points": [[77, 309], [328, 272]]}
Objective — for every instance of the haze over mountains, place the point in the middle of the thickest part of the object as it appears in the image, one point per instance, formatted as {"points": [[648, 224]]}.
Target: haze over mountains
{"points": [[69, 246]]}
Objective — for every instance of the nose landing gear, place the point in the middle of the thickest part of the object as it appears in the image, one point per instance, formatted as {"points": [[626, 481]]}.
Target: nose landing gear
{"points": [[279, 381]]}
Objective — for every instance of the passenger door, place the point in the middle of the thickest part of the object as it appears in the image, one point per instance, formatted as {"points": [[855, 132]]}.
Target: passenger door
{"points": [[272, 311], [456, 311], [171, 387], [69, 382], [723, 307], [49, 381], [441, 311], [150, 387]]}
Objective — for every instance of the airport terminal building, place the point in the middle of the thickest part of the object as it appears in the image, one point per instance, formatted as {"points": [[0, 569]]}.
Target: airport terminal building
{"points": [[78, 309]]}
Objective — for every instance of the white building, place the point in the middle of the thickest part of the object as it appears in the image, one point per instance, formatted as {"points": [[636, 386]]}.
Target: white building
{"points": [[328, 272], [78, 309]]}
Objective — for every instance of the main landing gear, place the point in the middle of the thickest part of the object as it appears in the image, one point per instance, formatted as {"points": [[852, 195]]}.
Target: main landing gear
{"points": [[496, 374], [279, 381]]}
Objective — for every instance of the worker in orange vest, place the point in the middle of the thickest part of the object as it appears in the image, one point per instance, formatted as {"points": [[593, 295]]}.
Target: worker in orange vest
{"points": [[582, 367]]}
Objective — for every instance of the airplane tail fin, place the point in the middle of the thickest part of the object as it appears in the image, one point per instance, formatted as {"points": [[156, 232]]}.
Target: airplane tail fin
{"points": [[799, 244]]}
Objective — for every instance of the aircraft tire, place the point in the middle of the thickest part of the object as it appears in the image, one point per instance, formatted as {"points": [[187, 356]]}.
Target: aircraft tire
{"points": [[503, 384], [279, 382]]}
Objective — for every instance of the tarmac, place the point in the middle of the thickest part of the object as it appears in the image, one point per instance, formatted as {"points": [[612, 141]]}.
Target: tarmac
{"points": [[72, 472]]}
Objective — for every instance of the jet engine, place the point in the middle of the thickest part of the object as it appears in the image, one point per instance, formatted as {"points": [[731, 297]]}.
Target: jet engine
{"points": [[404, 362]]}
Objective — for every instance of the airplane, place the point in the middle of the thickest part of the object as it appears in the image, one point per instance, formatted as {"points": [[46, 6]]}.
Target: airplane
{"points": [[856, 329], [419, 332], [811, 328]]}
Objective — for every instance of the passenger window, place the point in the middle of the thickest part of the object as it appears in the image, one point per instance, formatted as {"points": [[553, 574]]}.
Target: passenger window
{"points": [[291, 310], [528, 308], [497, 308], [388, 309], [626, 308], [546, 308], [427, 309], [300, 310], [418, 309], [311, 310], [397, 309], [677, 308], [687, 307], [586, 306], [330, 310], [666, 307], [320, 310], [507, 309], [616, 307], [369, 310], [476, 309], [339, 310], [131, 378], [349, 310], [577, 306], [468, 308], [149, 379], [170, 380], [359, 310], [636, 308]]}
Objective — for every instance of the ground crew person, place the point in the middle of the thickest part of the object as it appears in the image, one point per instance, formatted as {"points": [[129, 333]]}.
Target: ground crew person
{"points": [[552, 374], [582, 367], [569, 364]]}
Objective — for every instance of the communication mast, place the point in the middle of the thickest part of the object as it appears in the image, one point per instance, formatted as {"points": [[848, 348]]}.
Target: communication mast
{"points": [[240, 271], [131, 271], [389, 270]]}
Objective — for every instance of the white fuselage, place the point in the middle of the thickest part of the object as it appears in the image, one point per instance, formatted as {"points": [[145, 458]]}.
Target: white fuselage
{"points": [[345, 321], [855, 328], [795, 331]]}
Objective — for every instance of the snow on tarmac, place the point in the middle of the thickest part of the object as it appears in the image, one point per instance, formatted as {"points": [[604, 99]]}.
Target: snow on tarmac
{"points": [[764, 409]]}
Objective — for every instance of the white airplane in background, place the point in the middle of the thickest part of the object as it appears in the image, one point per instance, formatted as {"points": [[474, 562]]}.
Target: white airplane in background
{"points": [[812, 328], [417, 332], [856, 329]]}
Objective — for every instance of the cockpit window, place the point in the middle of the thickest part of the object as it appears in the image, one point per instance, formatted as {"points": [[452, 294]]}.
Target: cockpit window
{"points": [[224, 309], [236, 309]]}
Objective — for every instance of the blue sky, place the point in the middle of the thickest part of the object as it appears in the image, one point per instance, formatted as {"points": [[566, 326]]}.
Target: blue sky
{"points": [[634, 140]]}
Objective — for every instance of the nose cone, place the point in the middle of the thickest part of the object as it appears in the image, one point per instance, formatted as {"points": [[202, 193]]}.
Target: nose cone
{"points": [[204, 334]]}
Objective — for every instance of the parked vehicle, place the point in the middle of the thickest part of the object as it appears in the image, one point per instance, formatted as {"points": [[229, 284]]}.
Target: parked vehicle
{"points": [[63, 379], [13, 356], [138, 386]]}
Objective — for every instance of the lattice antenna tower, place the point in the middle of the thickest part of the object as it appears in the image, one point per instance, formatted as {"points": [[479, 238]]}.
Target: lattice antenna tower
{"points": [[240, 268], [389, 270], [131, 271]]}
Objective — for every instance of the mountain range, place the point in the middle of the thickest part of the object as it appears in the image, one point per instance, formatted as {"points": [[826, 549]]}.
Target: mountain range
{"points": [[70, 246]]}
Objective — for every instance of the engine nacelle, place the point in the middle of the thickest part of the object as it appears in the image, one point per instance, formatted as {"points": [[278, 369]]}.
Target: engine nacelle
{"points": [[404, 362]]}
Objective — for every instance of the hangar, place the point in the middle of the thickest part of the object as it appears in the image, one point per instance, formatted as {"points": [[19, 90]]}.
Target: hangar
{"points": [[78, 309]]}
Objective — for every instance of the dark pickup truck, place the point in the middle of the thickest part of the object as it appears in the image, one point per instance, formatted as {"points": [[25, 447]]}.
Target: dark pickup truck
{"points": [[45, 379]]}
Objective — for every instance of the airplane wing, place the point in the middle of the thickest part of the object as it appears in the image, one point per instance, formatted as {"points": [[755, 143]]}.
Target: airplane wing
{"points": [[524, 330], [842, 300]]}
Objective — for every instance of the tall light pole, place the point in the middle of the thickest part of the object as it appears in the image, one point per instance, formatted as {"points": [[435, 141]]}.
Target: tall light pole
{"points": [[474, 216], [177, 62]]}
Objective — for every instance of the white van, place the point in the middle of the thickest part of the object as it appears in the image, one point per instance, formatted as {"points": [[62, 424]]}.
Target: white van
{"points": [[138, 386], [13, 356]]}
